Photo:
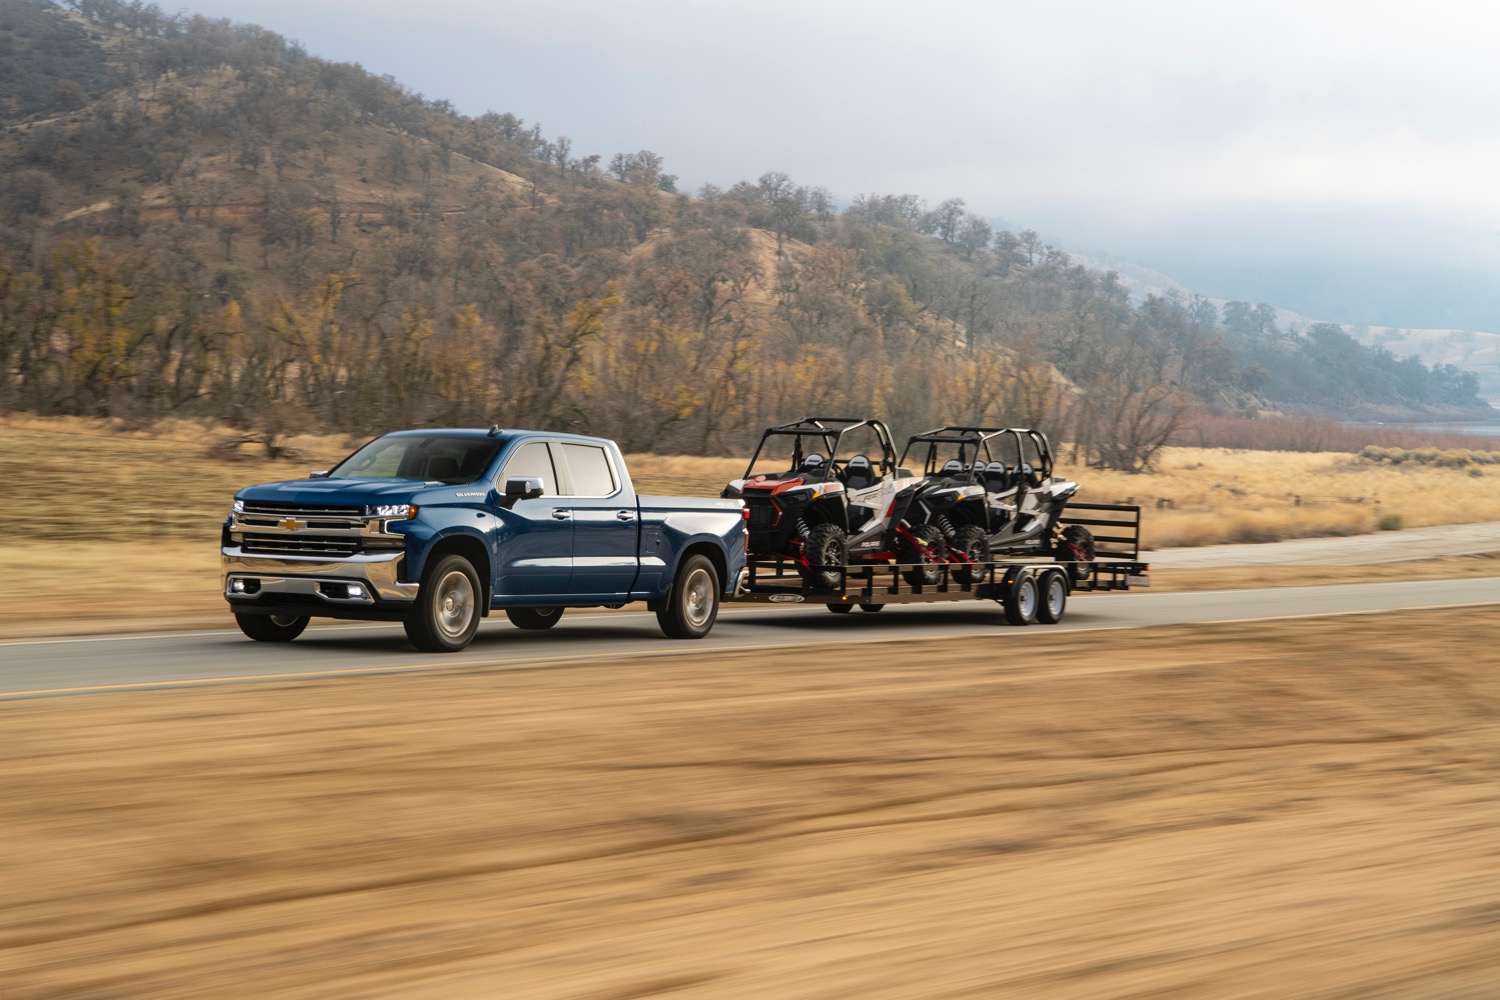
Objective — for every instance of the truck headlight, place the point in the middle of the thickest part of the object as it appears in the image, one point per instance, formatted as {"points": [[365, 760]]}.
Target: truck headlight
{"points": [[395, 511], [239, 506]]}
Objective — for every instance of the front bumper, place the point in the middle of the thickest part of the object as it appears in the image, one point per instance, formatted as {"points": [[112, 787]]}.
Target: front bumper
{"points": [[366, 580]]}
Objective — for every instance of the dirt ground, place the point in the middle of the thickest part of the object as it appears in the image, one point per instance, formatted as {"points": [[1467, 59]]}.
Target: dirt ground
{"points": [[1303, 809]]}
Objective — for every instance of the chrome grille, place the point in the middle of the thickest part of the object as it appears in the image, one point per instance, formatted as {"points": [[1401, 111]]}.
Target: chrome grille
{"points": [[300, 545], [301, 510]]}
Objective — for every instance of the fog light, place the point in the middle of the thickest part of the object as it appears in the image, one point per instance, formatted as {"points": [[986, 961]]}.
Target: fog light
{"points": [[354, 591], [237, 587]]}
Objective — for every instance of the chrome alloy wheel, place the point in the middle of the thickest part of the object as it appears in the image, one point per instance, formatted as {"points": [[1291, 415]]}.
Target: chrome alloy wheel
{"points": [[1026, 598], [285, 621], [1056, 595], [455, 604], [698, 597]]}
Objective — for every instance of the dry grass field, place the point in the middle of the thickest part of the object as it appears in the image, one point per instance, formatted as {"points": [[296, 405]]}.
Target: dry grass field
{"points": [[110, 527], [1289, 810]]}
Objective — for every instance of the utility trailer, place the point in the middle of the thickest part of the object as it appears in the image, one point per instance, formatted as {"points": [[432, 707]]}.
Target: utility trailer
{"points": [[1029, 589]]}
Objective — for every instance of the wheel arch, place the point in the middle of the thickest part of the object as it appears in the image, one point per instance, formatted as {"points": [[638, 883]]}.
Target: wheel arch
{"points": [[472, 548], [715, 553]]}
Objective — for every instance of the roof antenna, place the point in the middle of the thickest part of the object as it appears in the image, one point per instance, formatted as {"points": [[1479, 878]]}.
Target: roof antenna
{"points": [[494, 430]]}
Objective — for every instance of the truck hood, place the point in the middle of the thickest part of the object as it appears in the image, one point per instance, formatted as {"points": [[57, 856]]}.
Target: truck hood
{"points": [[355, 492]]}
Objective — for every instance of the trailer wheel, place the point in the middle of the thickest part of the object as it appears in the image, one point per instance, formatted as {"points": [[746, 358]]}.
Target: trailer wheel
{"points": [[693, 604], [970, 540], [271, 628], [840, 609], [534, 618], [871, 609], [1022, 599], [1054, 597]]}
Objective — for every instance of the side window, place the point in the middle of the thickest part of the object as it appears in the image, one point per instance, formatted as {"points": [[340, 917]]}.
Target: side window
{"points": [[532, 459], [589, 466]]}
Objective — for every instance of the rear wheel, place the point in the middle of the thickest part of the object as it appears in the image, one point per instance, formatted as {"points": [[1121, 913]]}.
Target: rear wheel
{"points": [[827, 551], [446, 614], [534, 618], [926, 549], [871, 609], [974, 544], [1076, 545], [840, 609], [1054, 597], [1022, 599], [271, 628], [693, 604]]}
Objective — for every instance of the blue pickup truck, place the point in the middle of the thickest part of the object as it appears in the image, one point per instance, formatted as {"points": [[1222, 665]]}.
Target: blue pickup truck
{"points": [[435, 528]]}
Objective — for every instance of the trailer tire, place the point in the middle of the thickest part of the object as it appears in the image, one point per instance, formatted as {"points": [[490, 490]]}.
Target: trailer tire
{"points": [[271, 628], [827, 551], [840, 609], [693, 603], [871, 609], [447, 610], [1054, 597], [1022, 599], [971, 541], [535, 619]]}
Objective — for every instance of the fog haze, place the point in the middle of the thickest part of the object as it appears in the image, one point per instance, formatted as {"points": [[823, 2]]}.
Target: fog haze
{"points": [[1335, 159]]}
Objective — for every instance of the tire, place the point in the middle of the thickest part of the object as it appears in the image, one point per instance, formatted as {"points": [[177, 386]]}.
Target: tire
{"points": [[971, 540], [1076, 545], [536, 619], [1054, 597], [839, 609], [447, 612], [693, 603], [871, 609], [930, 571], [271, 628], [1022, 600], [826, 547]]}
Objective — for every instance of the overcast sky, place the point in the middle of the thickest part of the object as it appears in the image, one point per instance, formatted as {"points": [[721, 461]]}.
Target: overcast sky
{"points": [[1162, 131]]}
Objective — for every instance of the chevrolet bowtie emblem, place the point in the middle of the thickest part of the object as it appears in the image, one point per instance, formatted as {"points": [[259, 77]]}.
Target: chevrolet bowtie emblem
{"points": [[291, 524]]}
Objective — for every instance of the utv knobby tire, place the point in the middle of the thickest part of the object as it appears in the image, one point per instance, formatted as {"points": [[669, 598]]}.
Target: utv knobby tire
{"points": [[535, 619], [271, 628], [693, 603], [447, 610], [970, 540], [827, 551], [930, 570], [1054, 597], [1075, 546]]}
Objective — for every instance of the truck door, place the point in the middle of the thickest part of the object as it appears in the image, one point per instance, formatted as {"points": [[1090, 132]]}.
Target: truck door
{"points": [[534, 547], [606, 523]]}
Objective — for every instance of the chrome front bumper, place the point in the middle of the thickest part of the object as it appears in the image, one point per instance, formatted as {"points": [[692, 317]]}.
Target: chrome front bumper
{"points": [[372, 576]]}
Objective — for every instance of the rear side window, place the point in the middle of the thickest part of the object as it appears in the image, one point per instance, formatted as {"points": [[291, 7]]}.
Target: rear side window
{"points": [[532, 459], [593, 476]]}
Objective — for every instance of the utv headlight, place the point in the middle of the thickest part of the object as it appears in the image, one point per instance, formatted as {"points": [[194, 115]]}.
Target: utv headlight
{"points": [[395, 511]]}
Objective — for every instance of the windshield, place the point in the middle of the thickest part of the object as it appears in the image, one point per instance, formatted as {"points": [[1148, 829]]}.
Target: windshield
{"points": [[450, 460]]}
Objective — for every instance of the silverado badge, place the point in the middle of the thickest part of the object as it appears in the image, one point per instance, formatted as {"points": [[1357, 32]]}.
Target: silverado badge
{"points": [[291, 524]]}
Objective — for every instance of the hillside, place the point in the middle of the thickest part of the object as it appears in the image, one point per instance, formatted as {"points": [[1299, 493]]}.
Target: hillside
{"points": [[206, 221]]}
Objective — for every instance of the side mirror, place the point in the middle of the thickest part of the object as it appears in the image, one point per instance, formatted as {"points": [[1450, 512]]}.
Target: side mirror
{"points": [[320, 474], [522, 488]]}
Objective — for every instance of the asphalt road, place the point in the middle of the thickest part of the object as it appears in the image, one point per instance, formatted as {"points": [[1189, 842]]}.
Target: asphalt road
{"points": [[1352, 550], [73, 666]]}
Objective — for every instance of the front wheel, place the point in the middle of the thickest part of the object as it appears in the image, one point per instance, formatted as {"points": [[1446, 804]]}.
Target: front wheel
{"points": [[693, 604], [446, 614], [1021, 600], [533, 618], [827, 551], [971, 541], [923, 545], [271, 628]]}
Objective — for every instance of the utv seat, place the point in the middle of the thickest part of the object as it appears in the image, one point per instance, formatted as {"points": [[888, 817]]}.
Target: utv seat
{"points": [[858, 474], [951, 468], [996, 478]]}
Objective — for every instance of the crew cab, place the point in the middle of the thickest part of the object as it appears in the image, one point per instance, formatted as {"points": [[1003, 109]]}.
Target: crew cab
{"points": [[436, 528]]}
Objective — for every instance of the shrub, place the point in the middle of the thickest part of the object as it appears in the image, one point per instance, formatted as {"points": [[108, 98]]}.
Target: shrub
{"points": [[1388, 521]]}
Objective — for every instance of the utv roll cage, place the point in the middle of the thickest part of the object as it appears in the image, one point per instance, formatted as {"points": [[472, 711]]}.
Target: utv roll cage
{"points": [[822, 466], [997, 457]]}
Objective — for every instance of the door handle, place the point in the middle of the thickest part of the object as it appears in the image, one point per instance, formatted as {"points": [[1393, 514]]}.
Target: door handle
{"points": [[626, 515], [562, 515]]}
